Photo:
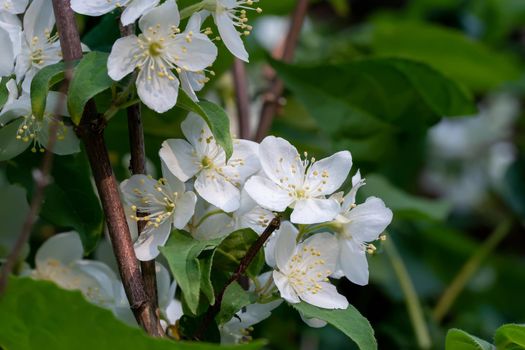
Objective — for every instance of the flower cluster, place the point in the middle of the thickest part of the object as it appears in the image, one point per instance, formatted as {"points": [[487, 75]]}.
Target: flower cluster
{"points": [[327, 236]]}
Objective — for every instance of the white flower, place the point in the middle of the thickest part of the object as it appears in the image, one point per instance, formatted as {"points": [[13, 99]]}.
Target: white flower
{"points": [[157, 51], [348, 201], [20, 128], [250, 215], [230, 15], [13, 6], [217, 182], [364, 223], [133, 9], [170, 308], [302, 185], [38, 47], [167, 205], [236, 330], [59, 260], [303, 270], [10, 42], [209, 222]]}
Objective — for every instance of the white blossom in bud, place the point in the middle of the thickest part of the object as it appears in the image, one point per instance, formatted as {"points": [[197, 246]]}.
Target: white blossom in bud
{"points": [[133, 9], [162, 204], [217, 181], [303, 269], [160, 49], [299, 184], [20, 129]]}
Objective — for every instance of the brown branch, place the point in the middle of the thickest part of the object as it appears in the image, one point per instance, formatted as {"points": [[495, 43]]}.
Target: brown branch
{"points": [[272, 96], [137, 165], [42, 179], [242, 100], [239, 272], [90, 130]]}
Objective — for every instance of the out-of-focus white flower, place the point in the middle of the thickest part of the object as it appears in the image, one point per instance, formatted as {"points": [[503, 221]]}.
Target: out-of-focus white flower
{"points": [[303, 269], [19, 128], [156, 52], [217, 181], [133, 9], [165, 204], [299, 184]]}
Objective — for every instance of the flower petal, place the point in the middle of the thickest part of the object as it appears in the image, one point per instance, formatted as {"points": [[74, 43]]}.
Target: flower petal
{"points": [[327, 175], [163, 285], [230, 36], [185, 207], [149, 241], [7, 55], [327, 297], [135, 9], [178, 157], [14, 6], [285, 245], [279, 159], [38, 19], [267, 194], [245, 158], [94, 7], [10, 147], [123, 57], [193, 54], [312, 322], [352, 260], [165, 15], [368, 220], [285, 289], [158, 93], [215, 189], [63, 247], [314, 210]]}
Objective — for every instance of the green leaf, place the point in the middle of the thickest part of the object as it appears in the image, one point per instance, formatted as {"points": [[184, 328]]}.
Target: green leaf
{"points": [[461, 340], [510, 337], [89, 79], [366, 97], [232, 249], [402, 202], [348, 321], [215, 117], [206, 263], [4, 93], [450, 51], [39, 315], [234, 299], [13, 212], [181, 252], [42, 82], [10, 147], [70, 200]]}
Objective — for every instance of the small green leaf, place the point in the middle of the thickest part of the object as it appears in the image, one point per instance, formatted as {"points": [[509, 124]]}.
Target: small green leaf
{"points": [[4, 93], [182, 251], [234, 299], [461, 340], [42, 82], [510, 337], [206, 263], [348, 321], [89, 79], [215, 117], [39, 315]]}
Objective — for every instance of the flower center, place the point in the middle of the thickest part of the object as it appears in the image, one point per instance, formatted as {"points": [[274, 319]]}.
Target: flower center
{"points": [[31, 128], [305, 270], [155, 49], [206, 162]]}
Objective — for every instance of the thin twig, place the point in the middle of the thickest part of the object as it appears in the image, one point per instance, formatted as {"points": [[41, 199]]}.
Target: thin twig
{"points": [[239, 272], [137, 165], [272, 96], [415, 312], [242, 100], [469, 269], [41, 180], [90, 130]]}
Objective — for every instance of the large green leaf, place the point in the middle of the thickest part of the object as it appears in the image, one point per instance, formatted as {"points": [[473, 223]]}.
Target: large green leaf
{"points": [[235, 298], [89, 79], [39, 315], [348, 321], [215, 117], [368, 97], [510, 337], [447, 50], [42, 82], [70, 200], [181, 252], [461, 340]]}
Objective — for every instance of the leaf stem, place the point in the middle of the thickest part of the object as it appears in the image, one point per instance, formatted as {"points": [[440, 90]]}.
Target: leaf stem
{"points": [[415, 311], [239, 272], [469, 269], [90, 130]]}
